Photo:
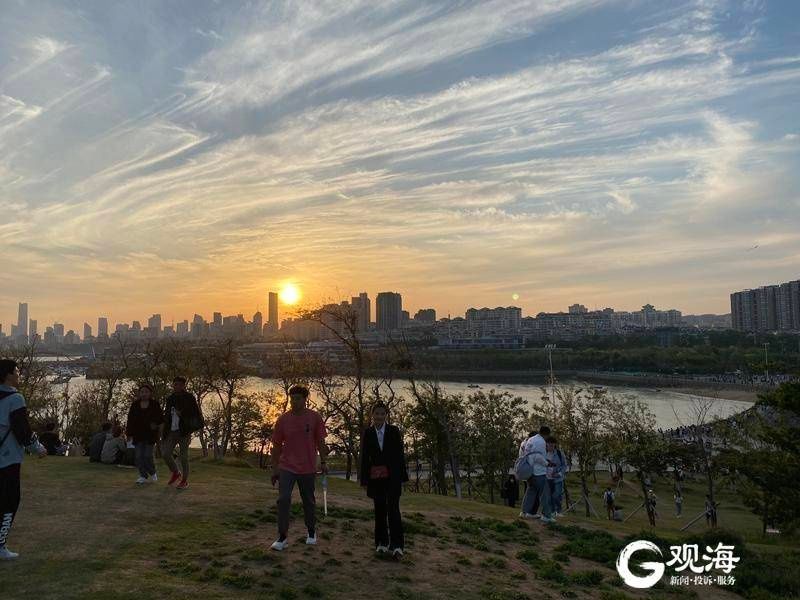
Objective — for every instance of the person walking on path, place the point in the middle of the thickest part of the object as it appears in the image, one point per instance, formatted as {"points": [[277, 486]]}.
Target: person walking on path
{"points": [[15, 436], [678, 503], [608, 501], [144, 421], [383, 472], [182, 417], [298, 436]]}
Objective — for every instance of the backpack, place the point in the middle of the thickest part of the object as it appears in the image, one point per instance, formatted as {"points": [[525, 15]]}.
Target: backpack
{"points": [[523, 468], [4, 395], [608, 497]]}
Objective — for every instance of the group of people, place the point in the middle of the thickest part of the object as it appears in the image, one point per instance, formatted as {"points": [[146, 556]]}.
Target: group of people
{"points": [[543, 466], [299, 437]]}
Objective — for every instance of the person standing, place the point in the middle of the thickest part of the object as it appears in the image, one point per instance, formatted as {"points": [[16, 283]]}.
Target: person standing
{"points": [[711, 512], [538, 491], [144, 421], [608, 501], [15, 436], [298, 436], [555, 474], [182, 417], [383, 472], [678, 503], [511, 491]]}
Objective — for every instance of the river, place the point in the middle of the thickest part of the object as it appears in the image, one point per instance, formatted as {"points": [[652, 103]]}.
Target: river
{"points": [[670, 408]]}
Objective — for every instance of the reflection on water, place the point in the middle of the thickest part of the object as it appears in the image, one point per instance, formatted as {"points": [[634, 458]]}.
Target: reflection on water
{"points": [[670, 408]]}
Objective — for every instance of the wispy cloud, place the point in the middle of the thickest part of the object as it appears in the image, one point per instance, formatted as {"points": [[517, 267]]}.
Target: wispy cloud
{"points": [[458, 152]]}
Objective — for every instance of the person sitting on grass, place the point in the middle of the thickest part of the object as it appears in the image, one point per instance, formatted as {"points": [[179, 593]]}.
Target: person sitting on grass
{"points": [[15, 437], [98, 441], [383, 472], [298, 435], [50, 440], [114, 449], [510, 491]]}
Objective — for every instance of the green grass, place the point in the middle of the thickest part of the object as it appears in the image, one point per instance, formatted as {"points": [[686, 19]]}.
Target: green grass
{"points": [[88, 531]]}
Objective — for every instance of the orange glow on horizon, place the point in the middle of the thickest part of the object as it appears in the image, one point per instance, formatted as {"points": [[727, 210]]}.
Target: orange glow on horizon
{"points": [[290, 294]]}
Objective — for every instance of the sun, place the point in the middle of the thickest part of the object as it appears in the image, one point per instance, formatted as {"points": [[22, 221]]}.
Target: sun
{"points": [[290, 294]]}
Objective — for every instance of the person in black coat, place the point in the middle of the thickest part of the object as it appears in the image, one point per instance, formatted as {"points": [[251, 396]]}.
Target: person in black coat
{"points": [[144, 423], [383, 472], [182, 417]]}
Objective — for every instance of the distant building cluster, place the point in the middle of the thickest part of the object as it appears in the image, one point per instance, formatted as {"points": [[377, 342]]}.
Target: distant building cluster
{"points": [[500, 327], [768, 308]]}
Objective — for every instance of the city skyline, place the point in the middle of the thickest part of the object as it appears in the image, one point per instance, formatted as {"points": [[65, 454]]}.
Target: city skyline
{"points": [[364, 303], [613, 154]]}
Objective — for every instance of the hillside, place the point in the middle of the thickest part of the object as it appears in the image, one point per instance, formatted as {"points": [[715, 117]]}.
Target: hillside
{"points": [[88, 531]]}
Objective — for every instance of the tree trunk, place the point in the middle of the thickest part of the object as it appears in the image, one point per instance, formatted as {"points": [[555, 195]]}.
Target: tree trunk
{"points": [[349, 465]]}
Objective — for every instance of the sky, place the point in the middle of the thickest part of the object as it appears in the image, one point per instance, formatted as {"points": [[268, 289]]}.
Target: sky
{"points": [[181, 157]]}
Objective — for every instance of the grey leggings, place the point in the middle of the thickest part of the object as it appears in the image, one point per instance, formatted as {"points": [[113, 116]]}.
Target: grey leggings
{"points": [[144, 459]]}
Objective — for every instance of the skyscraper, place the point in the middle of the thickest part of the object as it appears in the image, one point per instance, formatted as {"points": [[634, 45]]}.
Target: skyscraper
{"points": [[102, 327], [87, 332], [22, 320], [361, 306], [389, 310], [258, 323], [34, 328], [272, 311], [768, 308]]}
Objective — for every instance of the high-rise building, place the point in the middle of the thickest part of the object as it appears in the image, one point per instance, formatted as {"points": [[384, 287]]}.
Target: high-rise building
{"points": [[578, 309], [22, 320], [217, 321], [87, 332], [258, 323], [34, 328], [58, 332], [182, 329], [154, 322], [102, 327], [362, 307], [768, 308], [388, 311], [426, 315], [272, 311]]}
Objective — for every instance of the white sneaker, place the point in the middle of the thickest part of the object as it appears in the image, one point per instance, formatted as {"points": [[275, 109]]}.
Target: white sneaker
{"points": [[311, 540], [525, 515], [6, 554], [153, 478], [397, 552], [141, 480], [382, 549], [559, 515], [548, 520], [279, 545]]}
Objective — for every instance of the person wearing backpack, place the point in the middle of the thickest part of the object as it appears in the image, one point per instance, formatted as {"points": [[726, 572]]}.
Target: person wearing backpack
{"points": [[555, 474], [182, 417], [533, 452], [15, 436], [608, 500]]}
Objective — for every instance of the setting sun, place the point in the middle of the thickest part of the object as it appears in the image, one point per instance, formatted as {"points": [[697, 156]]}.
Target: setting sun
{"points": [[290, 294]]}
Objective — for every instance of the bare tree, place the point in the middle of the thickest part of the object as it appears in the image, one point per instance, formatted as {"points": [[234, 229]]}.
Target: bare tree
{"points": [[112, 371]]}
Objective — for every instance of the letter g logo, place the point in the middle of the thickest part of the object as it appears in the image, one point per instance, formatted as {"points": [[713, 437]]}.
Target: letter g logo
{"points": [[656, 568]]}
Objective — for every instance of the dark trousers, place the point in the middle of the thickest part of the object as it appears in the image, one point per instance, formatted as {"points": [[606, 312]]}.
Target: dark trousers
{"points": [[9, 499], [172, 439], [285, 486], [388, 522]]}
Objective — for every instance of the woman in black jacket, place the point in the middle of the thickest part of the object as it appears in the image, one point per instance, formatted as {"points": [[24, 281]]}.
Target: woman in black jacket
{"points": [[144, 420], [383, 472]]}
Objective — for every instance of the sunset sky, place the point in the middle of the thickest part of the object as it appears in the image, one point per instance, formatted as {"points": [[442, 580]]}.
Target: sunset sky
{"points": [[189, 156]]}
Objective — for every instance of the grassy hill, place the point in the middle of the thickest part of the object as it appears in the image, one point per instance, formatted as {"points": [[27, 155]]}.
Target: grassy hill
{"points": [[87, 531]]}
